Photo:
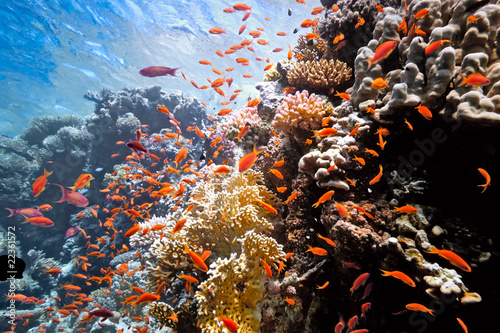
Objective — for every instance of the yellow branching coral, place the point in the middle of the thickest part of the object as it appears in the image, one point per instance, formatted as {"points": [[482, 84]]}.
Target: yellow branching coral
{"points": [[321, 74], [224, 209], [236, 285]]}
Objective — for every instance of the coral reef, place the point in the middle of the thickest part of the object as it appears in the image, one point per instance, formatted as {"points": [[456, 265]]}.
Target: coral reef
{"points": [[217, 296], [318, 75], [300, 112], [310, 49]]}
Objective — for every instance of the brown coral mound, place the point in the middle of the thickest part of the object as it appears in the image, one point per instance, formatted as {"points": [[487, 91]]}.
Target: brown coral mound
{"points": [[310, 49], [319, 75]]}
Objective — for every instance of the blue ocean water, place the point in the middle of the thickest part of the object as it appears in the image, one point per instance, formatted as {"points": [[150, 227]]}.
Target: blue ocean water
{"points": [[53, 52]]}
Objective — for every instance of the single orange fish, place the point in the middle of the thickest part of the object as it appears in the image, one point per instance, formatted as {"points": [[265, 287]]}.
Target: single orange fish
{"points": [[289, 301], [343, 95], [360, 280], [291, 197], [39, 184], [382, 52], [373, 152], [217, 31], [474, 79], [53, 271], [487, 179], [379, 83], [328, 240], [325, 197], [229, 324], [267, 206], [319, 251], [323, 286], [434, 45], [247, 161], [419, 307], [197, 260], [376, 179], [462, 324], [401, 276], [360, 160], [405, 209], [421, 14], [178, 226], [276, 173], [146, 298], [341, 209], [409, 125], [325, 132], [424, 111], [452, 257], [132, 231]]}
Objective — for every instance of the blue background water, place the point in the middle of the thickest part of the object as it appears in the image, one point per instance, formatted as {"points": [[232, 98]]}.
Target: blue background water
{"points": [[53, 52]]}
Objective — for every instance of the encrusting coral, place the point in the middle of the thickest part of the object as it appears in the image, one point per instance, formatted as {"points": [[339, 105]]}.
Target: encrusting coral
{"points": [[319, 75]]}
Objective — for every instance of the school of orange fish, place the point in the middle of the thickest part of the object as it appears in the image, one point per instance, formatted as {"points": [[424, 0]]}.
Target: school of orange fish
{"points": [[75, 301]]}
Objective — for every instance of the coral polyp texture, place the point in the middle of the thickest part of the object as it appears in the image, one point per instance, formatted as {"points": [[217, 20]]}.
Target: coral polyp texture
{"points": [[318, 75], [237, 284], [227, 220], [432, 62], [301, 111]]}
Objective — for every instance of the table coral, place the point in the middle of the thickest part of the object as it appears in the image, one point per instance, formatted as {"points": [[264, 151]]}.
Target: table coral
{"points": [[319, 75]]}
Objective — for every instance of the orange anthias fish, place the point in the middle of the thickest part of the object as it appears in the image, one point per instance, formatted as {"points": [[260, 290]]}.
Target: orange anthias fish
{"points": [[217, 31], [382, 52], [452, 257], [325, 132], [405, 209], [434, 45], [487, 179], [421, 14], [319, 251], [181, 155], [360, 280], [267, 206], [376, 179], [247, 161], [146, 298], [197, 260], [82, 182], [401, 276], [73, 197], [474, 79], [328, 240], [419, 307], [229, 324], [462, 324], [379, 83], [424, 111], [325, 197], [39, 184]]}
